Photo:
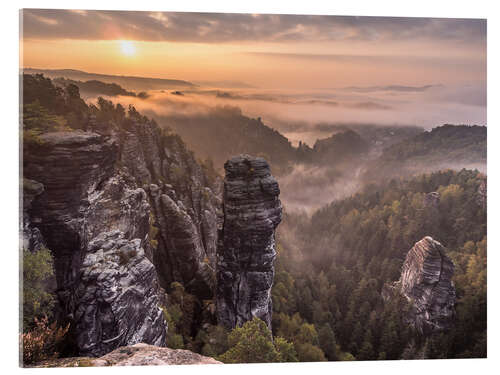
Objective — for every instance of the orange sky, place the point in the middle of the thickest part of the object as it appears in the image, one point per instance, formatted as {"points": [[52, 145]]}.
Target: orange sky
{"points": [[424, 71], [267, 51]]}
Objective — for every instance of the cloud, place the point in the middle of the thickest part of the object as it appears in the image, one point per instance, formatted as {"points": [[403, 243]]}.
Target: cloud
{"points": [[369, 106], [274, 98], [391, 88], [225, 27]]}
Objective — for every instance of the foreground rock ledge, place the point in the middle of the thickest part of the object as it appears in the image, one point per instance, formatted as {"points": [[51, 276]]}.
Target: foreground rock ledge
{"points": [[135, 355]]}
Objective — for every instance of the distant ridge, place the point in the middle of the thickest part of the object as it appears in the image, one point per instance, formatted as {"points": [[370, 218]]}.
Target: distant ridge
{"points": [[129, 82]]}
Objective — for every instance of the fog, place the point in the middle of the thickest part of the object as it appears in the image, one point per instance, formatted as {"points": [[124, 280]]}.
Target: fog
{"points": [[308, 188], [308, 116], [297, 114]]}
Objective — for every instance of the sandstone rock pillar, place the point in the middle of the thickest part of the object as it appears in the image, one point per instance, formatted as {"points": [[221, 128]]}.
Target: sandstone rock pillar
{"points": [[246, 248]]}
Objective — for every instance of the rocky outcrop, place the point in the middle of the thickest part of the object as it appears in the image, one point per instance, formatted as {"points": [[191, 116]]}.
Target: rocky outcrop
{"points": [[431, 200], [182, 256], [426, 283], [95, 220], [125, 212], [116, 297], [135, 355], [31, 238], [185, 206], [70, 165], [246, 249]]}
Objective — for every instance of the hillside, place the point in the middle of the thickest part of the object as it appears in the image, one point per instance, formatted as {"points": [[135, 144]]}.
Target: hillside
{"points": [[128, 82], [447, 146], [225, 131], [339, 146], [96, 88], [453, 143]]}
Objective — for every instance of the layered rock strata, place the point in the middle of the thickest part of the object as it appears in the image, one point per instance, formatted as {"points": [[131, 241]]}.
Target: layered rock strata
{"points": [[139, 187], [185, 206], [31, 238], [117, 301], [95, 220], [246, 248], [426, 283]]}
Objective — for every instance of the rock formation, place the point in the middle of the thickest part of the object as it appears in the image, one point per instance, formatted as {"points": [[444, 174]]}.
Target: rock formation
{"points": [[117, 301], [95, 222], [31, 238], [181, 198], [124, 212], [482, 193], [431, 200], [246, 249], [135, 355], [426, 283]]}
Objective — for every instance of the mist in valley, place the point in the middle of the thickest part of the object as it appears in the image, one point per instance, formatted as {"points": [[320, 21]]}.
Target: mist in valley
{"points": [[382, 116]]}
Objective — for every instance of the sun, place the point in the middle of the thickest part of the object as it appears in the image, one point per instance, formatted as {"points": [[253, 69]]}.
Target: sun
{"points": [[127, 47]]}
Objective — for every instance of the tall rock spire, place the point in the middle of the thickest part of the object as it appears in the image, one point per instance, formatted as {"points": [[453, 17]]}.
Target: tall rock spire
{"points": [[246, 248]]}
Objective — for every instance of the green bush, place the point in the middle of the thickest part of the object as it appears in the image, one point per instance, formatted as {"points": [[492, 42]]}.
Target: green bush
{"points": [[286, 350], [38, 275], [251, 343]]}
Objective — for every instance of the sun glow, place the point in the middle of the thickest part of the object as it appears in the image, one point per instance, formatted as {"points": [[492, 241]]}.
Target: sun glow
{"points": [[127, 47]]}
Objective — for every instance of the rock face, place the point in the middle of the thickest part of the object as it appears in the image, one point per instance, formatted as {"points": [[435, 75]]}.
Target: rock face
{"points": [[426, 282], [69, 165], [135, 355], [183, 256], [117, 301], [31, 238], [246, 249], [124, 212], [181, 198], [95, 221]]}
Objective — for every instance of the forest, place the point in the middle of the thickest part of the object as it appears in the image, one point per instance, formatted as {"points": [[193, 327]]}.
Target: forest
{"points": [[327, 302]]}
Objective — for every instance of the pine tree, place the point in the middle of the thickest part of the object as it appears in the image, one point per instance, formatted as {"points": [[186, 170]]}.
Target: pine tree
{"points": [[328, 342], [251, 343]]}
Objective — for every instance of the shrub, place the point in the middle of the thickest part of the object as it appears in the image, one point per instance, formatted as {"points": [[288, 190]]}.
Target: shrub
{"points": [[175, 341], [38, 274], [126, 255], [212, 340], [42, 342], [251, 343], [286, 350], [309, 353], [153, 232]]}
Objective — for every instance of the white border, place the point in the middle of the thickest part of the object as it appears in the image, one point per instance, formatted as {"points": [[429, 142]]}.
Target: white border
{"points": [[9, 170]]}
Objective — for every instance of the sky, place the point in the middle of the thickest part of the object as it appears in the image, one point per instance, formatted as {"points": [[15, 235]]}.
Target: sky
{"points": [[391, 70]]}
